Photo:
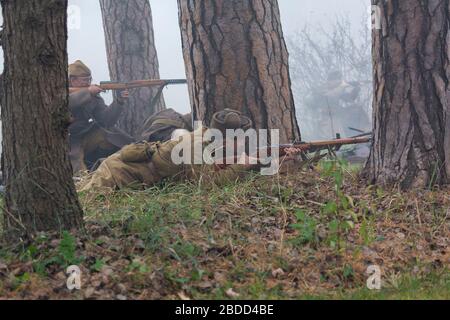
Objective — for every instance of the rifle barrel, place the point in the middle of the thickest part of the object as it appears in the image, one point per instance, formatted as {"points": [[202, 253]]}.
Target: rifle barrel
{"points": [[319, 145], [114, 85], [336, 142]]}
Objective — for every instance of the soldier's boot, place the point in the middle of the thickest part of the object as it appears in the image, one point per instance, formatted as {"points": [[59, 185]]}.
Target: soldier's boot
{"points": [[76, 156]]}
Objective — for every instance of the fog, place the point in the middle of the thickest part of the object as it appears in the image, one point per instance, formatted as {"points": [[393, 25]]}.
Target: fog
{"points": [[86, 41]]}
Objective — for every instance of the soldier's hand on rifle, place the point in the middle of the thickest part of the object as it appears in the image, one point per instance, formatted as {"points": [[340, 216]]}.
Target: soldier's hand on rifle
{"points": [[95, 90], [291, 152]]}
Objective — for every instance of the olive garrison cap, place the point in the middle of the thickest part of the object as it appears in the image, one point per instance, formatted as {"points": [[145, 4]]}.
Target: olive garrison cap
{"points": [[79, 69]]}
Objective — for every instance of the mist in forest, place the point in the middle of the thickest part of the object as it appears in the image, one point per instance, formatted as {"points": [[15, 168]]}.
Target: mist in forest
{"points": [[86, 42]]}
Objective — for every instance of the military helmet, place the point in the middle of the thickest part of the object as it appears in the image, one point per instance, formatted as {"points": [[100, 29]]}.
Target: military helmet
{"points": [[230, 119], [79, 69]]}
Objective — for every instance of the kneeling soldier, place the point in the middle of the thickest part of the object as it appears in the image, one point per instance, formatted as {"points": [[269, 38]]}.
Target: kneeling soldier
{"points": [[93, 123]]}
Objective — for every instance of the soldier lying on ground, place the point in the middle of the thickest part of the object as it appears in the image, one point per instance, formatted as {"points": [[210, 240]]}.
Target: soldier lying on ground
{"points": [[145, 164], [160, 126], [92, 133]]}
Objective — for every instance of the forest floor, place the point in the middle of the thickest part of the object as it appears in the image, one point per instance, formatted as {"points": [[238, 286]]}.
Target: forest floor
{"points": [[305, 234]]}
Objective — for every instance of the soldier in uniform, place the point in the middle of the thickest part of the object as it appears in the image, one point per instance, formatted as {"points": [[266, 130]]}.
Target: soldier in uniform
{"points": [[145, 164], [160, 126], [337, 108], [92, 133]]}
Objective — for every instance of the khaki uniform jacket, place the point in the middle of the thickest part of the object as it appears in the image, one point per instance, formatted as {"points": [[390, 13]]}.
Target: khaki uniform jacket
{"points": [[130, 167]]}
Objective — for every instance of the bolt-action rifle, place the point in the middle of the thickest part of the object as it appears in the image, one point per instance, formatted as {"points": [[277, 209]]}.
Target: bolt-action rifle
{"points": [[335, 145], [161, 84], [317, 146], [116, 85], [119, 86]]}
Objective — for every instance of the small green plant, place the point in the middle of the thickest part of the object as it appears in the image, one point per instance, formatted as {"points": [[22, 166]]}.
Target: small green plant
{"points": [[306, 227], [137, 265], [20, 279], [98, 265], [67, 250], [64, 257], [340, 209], [151, 228], [367, 230], [348, 272]]}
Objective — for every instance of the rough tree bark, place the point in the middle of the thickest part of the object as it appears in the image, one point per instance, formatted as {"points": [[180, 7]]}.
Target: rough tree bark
{"points": [[411, 145], [236, 57], [40, 193], [132, 55]]}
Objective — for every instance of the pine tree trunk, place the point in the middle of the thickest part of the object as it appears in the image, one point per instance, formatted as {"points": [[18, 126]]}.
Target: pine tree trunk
{"points": [[236, 57], [412, 94], [40, 193], [132, 55]]}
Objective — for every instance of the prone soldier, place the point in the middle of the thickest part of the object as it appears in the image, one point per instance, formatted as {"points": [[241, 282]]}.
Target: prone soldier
{"points": [[146, 163]]}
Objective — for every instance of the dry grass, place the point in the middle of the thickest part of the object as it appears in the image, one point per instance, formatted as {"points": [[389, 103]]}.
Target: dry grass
{"points": [[284, 237]]}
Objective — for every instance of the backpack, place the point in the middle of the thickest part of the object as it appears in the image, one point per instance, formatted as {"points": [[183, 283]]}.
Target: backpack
{"points": [[159, 127]]}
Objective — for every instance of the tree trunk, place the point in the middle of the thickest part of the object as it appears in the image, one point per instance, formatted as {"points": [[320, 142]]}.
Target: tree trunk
{"points": [[236, 57], [40, 193], [411, 145], [132, 55]]}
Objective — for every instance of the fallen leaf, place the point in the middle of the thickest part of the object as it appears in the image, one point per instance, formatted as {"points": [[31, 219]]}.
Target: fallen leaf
{"points": [[230, 293], [182, 296], [219, 277], [121, 287], [277, 272], [89, 292], [401, 235]]}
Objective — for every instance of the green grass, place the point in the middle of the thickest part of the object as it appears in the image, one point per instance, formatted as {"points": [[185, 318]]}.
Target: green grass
{"points": [[433, 287], [203, 240]]}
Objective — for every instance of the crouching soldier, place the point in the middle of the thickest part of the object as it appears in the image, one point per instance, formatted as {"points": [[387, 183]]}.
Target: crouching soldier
{"points": [[92, 133], [145, 164]]}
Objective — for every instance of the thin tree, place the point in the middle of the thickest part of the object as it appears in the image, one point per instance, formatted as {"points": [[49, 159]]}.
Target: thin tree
{"points": [[236, 57], [411, 94], [40, 192], [132, 55]]}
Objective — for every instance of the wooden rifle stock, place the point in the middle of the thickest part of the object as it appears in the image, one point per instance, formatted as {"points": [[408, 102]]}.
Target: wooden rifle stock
{"points": [[113, 85]]}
